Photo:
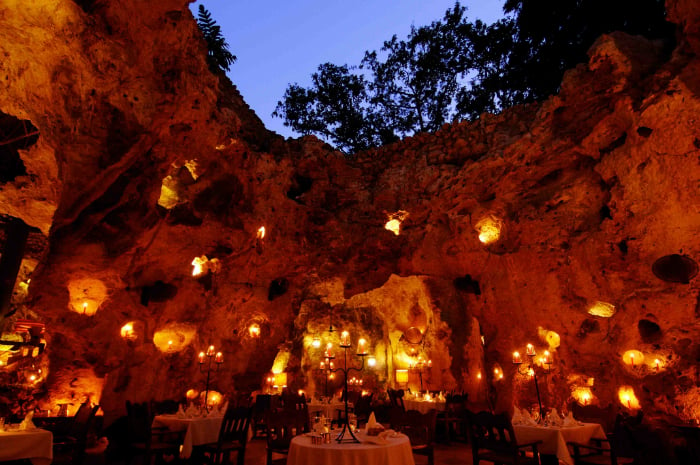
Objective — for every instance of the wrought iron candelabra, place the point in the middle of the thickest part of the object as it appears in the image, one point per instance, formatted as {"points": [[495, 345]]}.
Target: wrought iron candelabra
{"points": [[530, 368], [207, 358], [362, 353], [419, 367]]}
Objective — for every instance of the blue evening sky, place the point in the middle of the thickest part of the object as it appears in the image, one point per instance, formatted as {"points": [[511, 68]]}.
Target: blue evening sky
{"points": [[278, 42]]}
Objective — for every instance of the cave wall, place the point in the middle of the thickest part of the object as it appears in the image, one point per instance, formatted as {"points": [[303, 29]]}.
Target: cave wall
{"points": [[145, 161]]}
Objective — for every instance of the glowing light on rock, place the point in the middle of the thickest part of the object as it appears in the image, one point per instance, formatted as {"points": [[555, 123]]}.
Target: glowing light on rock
{"points": [[602, 309], [280, 363], [633, 358], [316, 342], [169, 193], [127, 331], [371, 361], [261, 233], [192, 394], [254, 330], [628, 398], [198, 265], [214, 398], [86, 295], [193, 167], [174, 337], [489, 229], [394, 221], [583, 395]]}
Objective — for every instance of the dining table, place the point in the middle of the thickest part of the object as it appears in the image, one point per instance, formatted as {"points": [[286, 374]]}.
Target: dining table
{"points": [[199, 430], [394, 449], [35, 445], [553, 439], [424, 406], [327, 409]]}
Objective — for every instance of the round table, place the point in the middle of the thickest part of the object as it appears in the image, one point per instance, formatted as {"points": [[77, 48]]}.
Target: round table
{"points": [[327, 410], [424, 406], [396, 451], [198, 431]]}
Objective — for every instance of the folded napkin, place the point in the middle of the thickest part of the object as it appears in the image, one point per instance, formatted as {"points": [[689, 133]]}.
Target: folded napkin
{"points": [[522, 417], [27, 423], [181, 412], [570, 420], [192, 411], [372, 422], [553, 418]]}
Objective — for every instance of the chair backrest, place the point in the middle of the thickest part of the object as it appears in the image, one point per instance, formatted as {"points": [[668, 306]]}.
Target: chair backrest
{"points": [[283, 426], [604, 416], [139, 420], [419, 427], [234, 426], [82, 420], [363, 405], [493, 432], [396, 398]]}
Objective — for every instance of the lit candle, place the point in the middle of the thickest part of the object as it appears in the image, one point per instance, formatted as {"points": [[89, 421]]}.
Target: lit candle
{"points": [[632, 359], [210, 351], [547, 358], [430, 363], [219, 357], [170, 345], [323, 365], [478, 375], [201, 357], [362, 346], [657, 362], [516, 359], [530, 349], [345, 339]]}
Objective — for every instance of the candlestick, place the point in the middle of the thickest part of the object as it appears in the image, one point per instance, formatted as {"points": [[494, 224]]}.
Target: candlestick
{"points": [[530, 350], [210, 351], [362, 346], [345, 339], [516, 358], [219, 358], [201, 358]]}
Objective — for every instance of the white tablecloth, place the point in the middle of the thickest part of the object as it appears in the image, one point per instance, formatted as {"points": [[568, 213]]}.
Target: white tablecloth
{"points": [[325, 409], [35, 445], [198, 430], [423, 406], [396, 452], [554, 439]]}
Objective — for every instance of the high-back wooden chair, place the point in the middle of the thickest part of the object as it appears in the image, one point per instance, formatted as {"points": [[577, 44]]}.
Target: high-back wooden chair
{"points": [[281, 428], [493, 440], [420, 429], [71, 447], [233, 437], [144, 440]]}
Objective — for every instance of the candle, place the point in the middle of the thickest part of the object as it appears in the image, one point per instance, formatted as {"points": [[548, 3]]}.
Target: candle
{"points": [[516, 358], [170, 345], [632, 359], [323, 365], [362, 346], [430, 363], [345, 339], [219, 357], [547, 358], [201, 357], [478, 375], [85, 306], [657, 362], [210, 351], [530, 349]]}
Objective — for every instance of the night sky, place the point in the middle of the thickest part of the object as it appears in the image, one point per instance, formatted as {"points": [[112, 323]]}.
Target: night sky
{"points": [[281, 42]]}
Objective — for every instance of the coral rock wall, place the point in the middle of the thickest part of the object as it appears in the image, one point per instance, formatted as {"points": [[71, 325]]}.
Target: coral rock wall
{"points": [[146, 161]]}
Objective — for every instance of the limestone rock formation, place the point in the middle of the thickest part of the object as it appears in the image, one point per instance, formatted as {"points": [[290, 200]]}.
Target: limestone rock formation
{"points": [[145, 161]]}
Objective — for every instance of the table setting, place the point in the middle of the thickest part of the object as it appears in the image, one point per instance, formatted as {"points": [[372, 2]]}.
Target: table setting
{"points": [[24, 440], [201, 426], [425, 402], [554, 431]]}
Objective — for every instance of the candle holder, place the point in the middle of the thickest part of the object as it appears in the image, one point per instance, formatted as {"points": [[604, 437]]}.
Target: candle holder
{"points": [[207, 358], [326, 368], [530, 368], [420, 367], [362, 353]]}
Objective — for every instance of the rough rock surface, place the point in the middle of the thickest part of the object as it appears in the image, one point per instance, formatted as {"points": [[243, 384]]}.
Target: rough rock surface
{"points": [[145, 160]]}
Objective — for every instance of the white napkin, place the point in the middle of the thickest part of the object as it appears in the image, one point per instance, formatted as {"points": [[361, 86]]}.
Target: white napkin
{"points": [[517, 417], [372, 422], [526, 418], [27, 423], [191, 411], [180, 412], [553, 418], [570, 420]]}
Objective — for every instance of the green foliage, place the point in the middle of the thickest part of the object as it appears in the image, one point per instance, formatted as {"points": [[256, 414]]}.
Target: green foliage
{"points": [[219, 57], [455, 69]]}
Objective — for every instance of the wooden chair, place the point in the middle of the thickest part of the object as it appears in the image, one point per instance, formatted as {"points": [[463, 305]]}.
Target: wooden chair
{"points": [[622, 447], [233, 437], [363, 409], [282, 427], [261, 407], [70, 448], [420, 429], [452, 418], [493, 440], [396, 398], [145, 441]]}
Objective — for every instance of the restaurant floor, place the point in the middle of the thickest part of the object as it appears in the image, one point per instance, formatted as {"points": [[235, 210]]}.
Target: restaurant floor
{"points": [[456, 453]]}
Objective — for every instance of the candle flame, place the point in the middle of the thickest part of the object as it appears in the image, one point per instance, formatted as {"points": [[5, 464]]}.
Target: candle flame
{"points": [[198, 265], [394, 221], [261, 233]]}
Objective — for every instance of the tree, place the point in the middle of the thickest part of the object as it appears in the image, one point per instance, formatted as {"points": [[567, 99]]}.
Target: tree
{"points": [[454, 69], [219, 57]]}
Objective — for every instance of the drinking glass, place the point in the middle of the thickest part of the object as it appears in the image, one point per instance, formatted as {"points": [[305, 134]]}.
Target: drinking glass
{"points": [[2, 424], [352, 421]]}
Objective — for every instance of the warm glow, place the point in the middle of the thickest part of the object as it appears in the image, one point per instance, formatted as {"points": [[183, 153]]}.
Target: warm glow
{"points": [[478, 375], [633, 358], [254, 330], [394, 221], [127, 331], [281, 379], [86, 295], [261, 233], [198, 265], [192, 394], [602, 309], [300, 392], [489, 228], [582, 395], [371, 361], [316, 342], [402, 376], [174, 337], [344, 338], [628, 398], [214, 398]]}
